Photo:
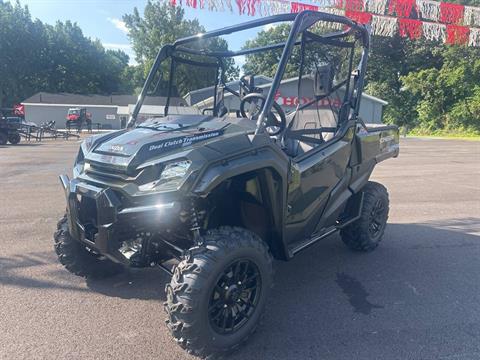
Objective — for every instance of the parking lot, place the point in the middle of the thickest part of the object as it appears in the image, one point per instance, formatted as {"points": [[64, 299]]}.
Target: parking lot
{"points": [[416, 297]]}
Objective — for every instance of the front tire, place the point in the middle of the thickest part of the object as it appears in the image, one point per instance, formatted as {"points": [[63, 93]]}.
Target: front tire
{"points": [[218, 292], [366, 233], [77, 259]]}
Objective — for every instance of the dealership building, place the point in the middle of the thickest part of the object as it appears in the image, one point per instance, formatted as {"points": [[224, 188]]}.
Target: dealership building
{"points": [[113, 112], [287, 96], [110, 112]]}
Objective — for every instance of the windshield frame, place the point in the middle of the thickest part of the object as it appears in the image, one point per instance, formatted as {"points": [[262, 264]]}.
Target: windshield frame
{"points": [[301, 22]]}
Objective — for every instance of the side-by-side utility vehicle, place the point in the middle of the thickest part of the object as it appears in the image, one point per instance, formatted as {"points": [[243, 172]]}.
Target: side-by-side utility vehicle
{"points": [[213, 192]]}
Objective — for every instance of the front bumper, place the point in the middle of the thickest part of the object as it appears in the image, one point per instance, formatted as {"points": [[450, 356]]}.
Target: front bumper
{"points": [[99, 229]]}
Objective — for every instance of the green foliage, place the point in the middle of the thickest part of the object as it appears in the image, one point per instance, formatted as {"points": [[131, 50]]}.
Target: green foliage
{"points": [[265, 63], [428, 85], [448, 97], [163, 24], [39, 57]]}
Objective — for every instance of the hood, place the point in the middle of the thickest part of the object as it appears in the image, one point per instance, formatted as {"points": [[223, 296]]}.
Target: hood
{"points": [[156, 137]]}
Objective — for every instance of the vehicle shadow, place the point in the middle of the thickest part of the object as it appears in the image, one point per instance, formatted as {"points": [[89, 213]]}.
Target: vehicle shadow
{"points": [[143, 284], [16, 271], [329, 291], [324, 290]]}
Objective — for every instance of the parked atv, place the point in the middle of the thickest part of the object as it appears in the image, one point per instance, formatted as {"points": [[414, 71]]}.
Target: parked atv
{"points": [[9, 130], [76, 117], [223, 195]]}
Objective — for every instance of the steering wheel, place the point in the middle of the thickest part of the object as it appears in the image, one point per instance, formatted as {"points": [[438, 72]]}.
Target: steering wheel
{"points": [[250, 107]]}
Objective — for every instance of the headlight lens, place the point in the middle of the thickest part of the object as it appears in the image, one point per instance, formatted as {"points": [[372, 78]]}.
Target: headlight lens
{"points": [[171, 178], [79, 162], [175, 170], [80, 166], [88, 143]]}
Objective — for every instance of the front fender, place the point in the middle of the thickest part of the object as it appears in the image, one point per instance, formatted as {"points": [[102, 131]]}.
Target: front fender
{"points": [[272, 165], [228, 168]]}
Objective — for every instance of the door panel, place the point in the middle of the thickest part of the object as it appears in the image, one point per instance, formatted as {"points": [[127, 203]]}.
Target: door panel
{"points": [[312, 180]]}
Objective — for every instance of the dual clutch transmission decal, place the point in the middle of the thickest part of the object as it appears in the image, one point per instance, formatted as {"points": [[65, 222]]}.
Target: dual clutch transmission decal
{"points": [[166, 145], [170, 144]]}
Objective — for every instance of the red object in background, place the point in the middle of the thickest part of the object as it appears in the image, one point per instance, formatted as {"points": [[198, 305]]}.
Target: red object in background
{"points": [[192, 3], [19, 109], [339, 4], [298, 7], [411, 28], [252, 7], [247, 6], [402, 8], [451, 13], [359, 16], [354, 5], [457, 34]]}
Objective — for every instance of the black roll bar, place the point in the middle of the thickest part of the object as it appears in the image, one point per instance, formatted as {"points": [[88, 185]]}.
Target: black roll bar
{"points": [[301, 22]]}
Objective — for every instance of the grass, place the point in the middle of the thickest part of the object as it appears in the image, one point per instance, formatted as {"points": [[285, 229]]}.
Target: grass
{"points": [[445, 134]]}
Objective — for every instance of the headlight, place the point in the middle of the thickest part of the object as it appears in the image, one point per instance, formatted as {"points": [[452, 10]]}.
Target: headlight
{"points": [[171, 178], [80, 166], [79, 162], [87, 144]]}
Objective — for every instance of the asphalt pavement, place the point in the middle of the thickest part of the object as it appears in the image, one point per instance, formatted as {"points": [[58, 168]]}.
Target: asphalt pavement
{"points": [[416, 297]]}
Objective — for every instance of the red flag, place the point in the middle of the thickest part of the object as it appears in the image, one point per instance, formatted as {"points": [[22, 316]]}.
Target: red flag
{"points": [[192, 3], [411, 28], [457, 34], [402, 8], [354, 5], [451, 13], [298, 7], [359, 16]]}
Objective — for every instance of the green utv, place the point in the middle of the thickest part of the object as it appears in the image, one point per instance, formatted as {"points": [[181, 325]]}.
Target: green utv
{"points": [[213, 192]]}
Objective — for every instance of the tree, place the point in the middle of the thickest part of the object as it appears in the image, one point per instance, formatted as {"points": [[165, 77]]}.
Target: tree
{"points": [[448, 97], [39, 57], [265, 63], [162, 24], [427, 84]]}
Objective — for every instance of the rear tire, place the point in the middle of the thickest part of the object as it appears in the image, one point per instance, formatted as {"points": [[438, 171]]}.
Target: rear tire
{"points": [[218, 292], [14, 139], [77, 259], [366, 233]]}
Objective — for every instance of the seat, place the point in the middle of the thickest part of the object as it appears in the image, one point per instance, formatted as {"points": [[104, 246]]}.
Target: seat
{"points": [[305, 132]]}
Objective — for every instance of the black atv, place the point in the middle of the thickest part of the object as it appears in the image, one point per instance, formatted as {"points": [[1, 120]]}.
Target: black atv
{"points": [[213, 198]]}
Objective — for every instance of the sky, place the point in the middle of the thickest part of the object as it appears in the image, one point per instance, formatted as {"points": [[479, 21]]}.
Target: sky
{"points": [[102, 19]]}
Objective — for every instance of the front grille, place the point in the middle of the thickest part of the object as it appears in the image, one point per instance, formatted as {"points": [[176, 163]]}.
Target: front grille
{"points": [[139, 177]]}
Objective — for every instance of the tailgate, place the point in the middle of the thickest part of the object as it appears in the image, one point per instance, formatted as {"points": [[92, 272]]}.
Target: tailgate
{"points": [[380, 142]]}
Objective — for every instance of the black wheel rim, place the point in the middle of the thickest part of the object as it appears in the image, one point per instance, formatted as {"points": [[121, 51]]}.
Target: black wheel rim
{"points": [[377, 218], [234, 297]]}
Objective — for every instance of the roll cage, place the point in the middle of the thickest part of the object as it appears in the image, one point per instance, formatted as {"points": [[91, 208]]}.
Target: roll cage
{"points": [[301, 23]]}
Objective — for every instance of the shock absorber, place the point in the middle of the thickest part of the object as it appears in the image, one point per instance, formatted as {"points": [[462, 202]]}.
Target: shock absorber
{"points": [[195, 226]]}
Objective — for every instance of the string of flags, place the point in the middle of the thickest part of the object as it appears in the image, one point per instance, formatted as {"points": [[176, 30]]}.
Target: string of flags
{"points": [[432, 20]]}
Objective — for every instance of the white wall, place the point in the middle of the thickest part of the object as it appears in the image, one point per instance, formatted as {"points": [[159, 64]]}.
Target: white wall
{"points": [[40, 114]]}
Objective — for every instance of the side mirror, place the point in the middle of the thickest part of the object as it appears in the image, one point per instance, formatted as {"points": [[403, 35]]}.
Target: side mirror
{"points": [[323, 82]]}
